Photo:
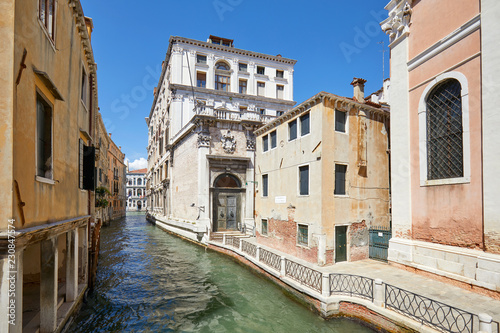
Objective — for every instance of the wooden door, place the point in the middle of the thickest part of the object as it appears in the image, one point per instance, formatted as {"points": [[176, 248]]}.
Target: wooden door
{"points": [[340, 243]]}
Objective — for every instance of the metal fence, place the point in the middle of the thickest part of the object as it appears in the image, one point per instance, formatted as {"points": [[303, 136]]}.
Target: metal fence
{"points": [[249, 248], [352, 285], [304, 275], [228, 240], [428, 311], [270, 259]]}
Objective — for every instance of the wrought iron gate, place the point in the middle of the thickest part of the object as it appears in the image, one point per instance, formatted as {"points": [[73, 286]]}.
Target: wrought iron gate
{"points": [[379, 242]]}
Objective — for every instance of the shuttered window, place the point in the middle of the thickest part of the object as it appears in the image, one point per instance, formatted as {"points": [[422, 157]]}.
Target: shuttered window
{"points": [[304, 180], [274, 140], [265, 143], [305, 127], [303, 235], [265, 185], [340, 176], [44, 137], [340, 118], [292, 130]]}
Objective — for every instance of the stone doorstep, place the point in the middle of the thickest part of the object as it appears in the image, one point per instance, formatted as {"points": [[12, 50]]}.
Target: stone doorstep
{"points": [[64, 310], [330, 305]]}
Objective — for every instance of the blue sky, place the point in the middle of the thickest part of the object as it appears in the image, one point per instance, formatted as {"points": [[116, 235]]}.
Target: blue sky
{"points": [[333, 41]]}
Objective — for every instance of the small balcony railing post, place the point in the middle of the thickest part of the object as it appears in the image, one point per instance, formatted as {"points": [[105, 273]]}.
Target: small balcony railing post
{"points": [[283, 268], [379, 293], [485, 323], [325, 292], [257, 253]]}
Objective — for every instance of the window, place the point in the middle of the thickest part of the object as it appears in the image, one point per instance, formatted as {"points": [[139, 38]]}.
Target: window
{"points": [[279, 73], [265, 185], [279, 91], [264, 227], [85, 94], [242, 67], [201, 79], [261, 70], [201, 59], [262, 111], [273, 139], [292, 130], [340, 173], [265, 143], [139, 182], [340, 120], [303, 235], [304, 124], [86, 170], [222, 66], [279, 113], [100, 174], [304, 180], [444, 131], [261, 89], [243, 86], [46, 13], [243, 109], [44, 137], [222, 82]]}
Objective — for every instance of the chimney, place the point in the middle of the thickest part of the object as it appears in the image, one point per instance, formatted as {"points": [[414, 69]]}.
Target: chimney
{"points": [[359, 89]]}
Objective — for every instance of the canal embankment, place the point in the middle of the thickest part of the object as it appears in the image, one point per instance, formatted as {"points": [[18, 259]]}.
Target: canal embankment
{"points": [[385, 296]]}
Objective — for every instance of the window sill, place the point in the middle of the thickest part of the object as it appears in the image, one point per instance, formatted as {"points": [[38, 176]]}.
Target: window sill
{"points": [[201, 65], [303, 195], [449, 181], [303, 246], [45, 180], [262, 76], [243, 73], [339, 132], [340, 195], [280, 79]]}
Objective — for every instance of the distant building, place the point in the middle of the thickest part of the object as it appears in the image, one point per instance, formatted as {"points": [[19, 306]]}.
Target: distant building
{"points": [[210, 98], [136, 190], [322, 173], [117, 178], [445, 134], [48, 111], [102, 165]]}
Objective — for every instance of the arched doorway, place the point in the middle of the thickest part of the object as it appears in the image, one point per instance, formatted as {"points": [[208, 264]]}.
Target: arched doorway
{"points": [[139, 205], [227, 203]]}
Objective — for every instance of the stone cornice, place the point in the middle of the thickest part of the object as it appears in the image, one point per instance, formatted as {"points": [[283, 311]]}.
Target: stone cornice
{"points": [[316, 99]]}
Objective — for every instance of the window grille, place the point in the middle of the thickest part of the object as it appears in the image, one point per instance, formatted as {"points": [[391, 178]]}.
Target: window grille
{"points": [[444, 131], [303, 235]]}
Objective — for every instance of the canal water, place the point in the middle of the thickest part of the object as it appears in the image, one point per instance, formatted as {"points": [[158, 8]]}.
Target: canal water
{"points": [[151, 281]]}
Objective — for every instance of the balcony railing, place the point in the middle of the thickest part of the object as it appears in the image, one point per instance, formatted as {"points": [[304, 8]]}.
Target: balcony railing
{"points": [[205, 110]]}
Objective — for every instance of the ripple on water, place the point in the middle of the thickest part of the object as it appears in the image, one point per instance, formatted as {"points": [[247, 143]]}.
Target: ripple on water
{"points": [[150, 281]]}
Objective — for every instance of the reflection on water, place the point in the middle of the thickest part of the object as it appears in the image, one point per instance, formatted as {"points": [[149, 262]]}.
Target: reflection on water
{"points": [[150, 281]]}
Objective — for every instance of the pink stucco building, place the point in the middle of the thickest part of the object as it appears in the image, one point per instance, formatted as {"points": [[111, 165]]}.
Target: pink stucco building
{"points": [[445, 73]]}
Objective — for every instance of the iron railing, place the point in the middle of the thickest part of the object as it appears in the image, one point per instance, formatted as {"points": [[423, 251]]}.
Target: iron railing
{"points": [[229, 240], [304, 275], [249, 248], [428, 311], [352, 285], [236, 242], [270, 259]]}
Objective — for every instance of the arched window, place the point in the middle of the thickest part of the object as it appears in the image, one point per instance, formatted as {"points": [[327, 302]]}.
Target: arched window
{"points": [[130, 193], [139, 181], [139, 192], [227, 181], [222, 65], [445, 131], [222, 79]]}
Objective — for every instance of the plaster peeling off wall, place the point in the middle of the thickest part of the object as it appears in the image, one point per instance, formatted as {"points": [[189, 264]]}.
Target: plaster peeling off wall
{"points": [[358, 234]]}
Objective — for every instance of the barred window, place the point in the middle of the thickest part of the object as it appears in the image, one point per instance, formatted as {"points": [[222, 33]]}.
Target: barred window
{"points": [[444, 131], [303, 235]]}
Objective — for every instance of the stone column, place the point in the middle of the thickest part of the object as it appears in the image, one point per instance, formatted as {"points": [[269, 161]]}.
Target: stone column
{"points": [[4, 294], [48, 285], [203, 197], [290, 85], [85, 254], [211, 71], [177, 53], [250, 187], [71, 265]]}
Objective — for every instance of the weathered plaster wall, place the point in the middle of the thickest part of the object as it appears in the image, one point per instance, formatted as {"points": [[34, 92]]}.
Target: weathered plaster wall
{"points": [[184, 181], [448, 214]]}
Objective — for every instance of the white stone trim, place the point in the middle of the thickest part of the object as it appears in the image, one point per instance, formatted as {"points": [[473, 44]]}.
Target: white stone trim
{"points": [[473, 267], [422, 131], [450, 40]]}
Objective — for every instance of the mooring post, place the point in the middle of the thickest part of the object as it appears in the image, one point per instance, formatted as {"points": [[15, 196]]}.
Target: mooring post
{"points": [[378, 293]]}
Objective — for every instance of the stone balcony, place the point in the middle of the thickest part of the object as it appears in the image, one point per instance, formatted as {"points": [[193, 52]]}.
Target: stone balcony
{"points": [[228, 115]]}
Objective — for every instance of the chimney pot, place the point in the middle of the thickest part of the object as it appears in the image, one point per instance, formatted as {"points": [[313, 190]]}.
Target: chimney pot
{"points": [[359, 89]]}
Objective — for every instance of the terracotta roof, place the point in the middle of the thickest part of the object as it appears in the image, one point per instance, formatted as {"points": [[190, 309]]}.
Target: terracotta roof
{"points": [[139, 171]]}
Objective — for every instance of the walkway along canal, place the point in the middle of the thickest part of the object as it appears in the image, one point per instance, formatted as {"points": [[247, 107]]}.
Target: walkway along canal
{"points": [[151, 281]]}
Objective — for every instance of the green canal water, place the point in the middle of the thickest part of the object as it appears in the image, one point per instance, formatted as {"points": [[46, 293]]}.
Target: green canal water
{"points": [[151, 281]]}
